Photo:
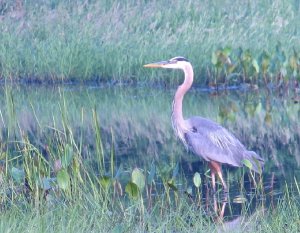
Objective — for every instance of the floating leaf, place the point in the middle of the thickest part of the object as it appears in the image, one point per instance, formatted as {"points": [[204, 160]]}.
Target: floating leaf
{"points": [[63, 179], [132, 190], [18, 175], [197, 179], [247, 163], [138, 178]]}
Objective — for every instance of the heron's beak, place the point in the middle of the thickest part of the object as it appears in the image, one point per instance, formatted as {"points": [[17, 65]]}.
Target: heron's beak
{"points": [[156, 64]]}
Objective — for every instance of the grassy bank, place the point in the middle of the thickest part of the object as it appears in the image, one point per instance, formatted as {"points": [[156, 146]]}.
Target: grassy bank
{"points": [[110, 41]]}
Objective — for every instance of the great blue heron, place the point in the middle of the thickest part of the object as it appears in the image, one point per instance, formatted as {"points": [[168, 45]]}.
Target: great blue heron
{"points": [[206, 138]]}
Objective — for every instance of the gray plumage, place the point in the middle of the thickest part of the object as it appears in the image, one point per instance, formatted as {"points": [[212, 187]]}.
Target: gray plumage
{"points": [[211, 141], [206, 138]]}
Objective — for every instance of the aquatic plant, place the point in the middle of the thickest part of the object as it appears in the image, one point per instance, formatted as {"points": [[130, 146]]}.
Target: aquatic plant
{"points": [[81, 41], [269, 70]]}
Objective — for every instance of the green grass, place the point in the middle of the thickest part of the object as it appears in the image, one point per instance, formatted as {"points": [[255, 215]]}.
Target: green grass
{"points": [[70, 157], [61, 168], [87, 211], [110, 41]]}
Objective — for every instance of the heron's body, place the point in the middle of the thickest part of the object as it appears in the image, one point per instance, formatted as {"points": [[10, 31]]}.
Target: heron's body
{"points": [[204, 137], [214, 143]]}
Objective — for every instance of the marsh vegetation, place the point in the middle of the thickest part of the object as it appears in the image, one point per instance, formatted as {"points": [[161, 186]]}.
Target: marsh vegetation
{"points": [[104, 158], [64, 153], [109, 41]]}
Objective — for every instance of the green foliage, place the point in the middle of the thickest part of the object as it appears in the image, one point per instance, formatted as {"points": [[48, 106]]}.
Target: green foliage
{"points": [[197, 180], [67, 156], [63, 179], [138, 178], [105, 182], [132, 190], [54, 181], [272, 67], [80, 40], [247, 163]]}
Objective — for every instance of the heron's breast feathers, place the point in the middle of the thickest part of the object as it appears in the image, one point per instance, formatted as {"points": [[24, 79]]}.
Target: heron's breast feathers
{"points": [[181, 130]]}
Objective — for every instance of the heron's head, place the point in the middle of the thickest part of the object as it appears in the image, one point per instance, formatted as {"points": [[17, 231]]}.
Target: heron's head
{"points": [[173, 63]]}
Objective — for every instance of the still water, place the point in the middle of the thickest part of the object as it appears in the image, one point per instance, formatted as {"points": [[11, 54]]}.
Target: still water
{"points": [[139, 120]]}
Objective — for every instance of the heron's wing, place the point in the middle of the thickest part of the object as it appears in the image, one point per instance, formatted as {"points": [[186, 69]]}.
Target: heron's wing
{"points": [[213, 142]]}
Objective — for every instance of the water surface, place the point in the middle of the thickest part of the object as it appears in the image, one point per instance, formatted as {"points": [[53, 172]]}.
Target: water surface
{"points": [[139, 119]]}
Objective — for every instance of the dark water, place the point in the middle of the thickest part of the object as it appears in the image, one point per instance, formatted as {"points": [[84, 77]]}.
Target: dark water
{"points": [[139, 117]]}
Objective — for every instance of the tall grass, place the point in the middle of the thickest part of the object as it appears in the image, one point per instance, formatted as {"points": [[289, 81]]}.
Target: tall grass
{"points": [[66, 173], [110, 41], [139, 119]]}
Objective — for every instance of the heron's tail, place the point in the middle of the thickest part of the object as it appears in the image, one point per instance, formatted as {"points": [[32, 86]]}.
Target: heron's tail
{"points": [[257, 163]]}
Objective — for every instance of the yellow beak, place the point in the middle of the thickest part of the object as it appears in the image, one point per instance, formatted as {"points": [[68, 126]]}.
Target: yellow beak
{"points": [[156, 64]]}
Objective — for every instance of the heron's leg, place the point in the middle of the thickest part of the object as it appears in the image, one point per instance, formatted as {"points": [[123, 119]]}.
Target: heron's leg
{"points": [[222, 180], [215, 167], [213, 175], [213, 180]]}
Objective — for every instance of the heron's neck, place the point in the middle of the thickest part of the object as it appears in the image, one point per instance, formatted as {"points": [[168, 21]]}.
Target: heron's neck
{"points": [[177, 116]]}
